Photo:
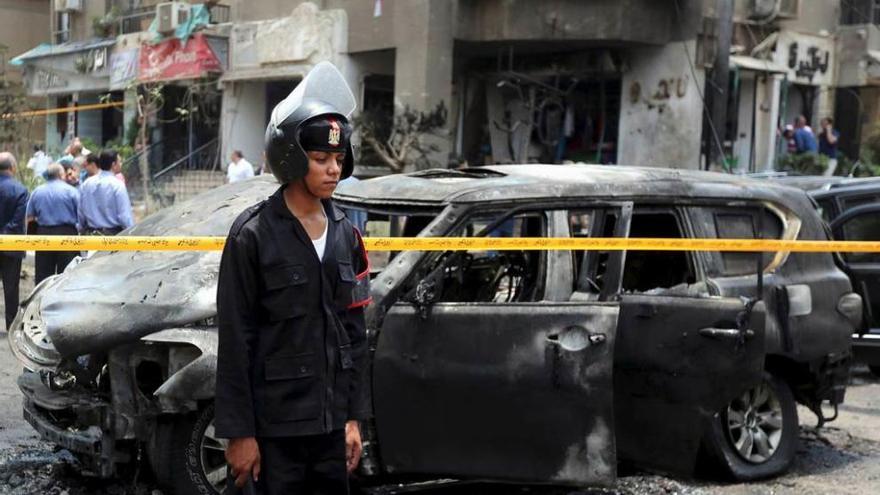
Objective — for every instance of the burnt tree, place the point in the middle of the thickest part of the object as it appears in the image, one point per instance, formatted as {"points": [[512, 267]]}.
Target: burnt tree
{"points": [[407, 138]]}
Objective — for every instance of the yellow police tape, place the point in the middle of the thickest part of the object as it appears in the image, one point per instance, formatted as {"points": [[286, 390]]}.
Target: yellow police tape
{"points": [[142, 243]]}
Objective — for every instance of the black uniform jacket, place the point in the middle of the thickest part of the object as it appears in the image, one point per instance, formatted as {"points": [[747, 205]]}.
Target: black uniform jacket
{"points": [[292, 343]]}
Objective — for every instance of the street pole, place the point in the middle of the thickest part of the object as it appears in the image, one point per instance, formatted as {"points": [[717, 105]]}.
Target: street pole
{"points": [[720, 80]]}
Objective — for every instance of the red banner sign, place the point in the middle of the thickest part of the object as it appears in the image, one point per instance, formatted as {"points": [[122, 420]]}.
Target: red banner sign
{"points": [[172, 59]]}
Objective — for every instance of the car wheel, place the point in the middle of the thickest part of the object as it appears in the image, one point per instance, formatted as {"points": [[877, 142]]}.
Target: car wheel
{"points": [[187, 457], [875, 369], [756, 435]]}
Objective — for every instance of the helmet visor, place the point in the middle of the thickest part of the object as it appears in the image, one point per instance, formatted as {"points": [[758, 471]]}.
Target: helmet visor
{"points": [[324, 82]]}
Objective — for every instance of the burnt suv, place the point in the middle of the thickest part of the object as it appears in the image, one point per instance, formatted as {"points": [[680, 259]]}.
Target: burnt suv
{"points": [[532, 366]]}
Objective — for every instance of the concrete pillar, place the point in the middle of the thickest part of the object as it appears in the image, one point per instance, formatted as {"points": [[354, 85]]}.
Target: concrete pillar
{"points": [[766, 126], [824, 106], [424, 62], [243, 126]]}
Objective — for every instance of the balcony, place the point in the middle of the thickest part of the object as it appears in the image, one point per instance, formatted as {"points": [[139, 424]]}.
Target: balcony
{"points": [[139, 19]]}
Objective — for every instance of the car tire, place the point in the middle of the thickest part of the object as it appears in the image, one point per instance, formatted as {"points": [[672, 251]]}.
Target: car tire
{"points": [[186, 457], [875, 369], [756, 435]]}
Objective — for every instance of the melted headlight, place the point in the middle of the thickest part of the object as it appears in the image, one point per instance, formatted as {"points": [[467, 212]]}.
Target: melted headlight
{"points": [[28, 338]]}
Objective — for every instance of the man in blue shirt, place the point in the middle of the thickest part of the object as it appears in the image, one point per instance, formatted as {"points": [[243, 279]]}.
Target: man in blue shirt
{"points": [[13, 201], [53, 206], [104, 207], [804, 138]]}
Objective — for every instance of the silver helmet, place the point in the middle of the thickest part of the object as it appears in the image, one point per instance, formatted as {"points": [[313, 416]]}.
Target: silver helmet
{"points": [[323, 92]]}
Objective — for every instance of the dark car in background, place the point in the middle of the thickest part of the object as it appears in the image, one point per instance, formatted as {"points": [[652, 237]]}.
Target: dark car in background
{"points": [[851, 207], [523, 366]]}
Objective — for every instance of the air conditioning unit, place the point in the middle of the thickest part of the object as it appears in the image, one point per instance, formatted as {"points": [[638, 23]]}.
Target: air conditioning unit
{"points": [[789, 8], [171, 15], [68, 5], [769, 10]]}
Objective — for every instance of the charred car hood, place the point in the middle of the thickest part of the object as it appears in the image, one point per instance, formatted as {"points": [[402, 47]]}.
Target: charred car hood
{"points": [[116, 297]]}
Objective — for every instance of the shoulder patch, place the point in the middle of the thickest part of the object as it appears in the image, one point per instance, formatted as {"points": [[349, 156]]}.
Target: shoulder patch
{"points": [[245, 216], [360, 294]]}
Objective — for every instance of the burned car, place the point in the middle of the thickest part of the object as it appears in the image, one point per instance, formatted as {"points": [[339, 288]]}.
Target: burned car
{"points": [[531, 366], [851, 207]]}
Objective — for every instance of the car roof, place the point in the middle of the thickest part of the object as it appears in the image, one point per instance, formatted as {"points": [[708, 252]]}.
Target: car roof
{"points": [[816, 184], [502, 183]]}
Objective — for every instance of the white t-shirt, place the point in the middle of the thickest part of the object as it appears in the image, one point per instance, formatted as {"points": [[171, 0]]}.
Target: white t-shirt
{"points": [[321, 242], [39, 162], [239, 171]]}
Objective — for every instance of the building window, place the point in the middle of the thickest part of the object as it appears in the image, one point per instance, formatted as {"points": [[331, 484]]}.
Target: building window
{"points": [[62, 27], [860, 12]]}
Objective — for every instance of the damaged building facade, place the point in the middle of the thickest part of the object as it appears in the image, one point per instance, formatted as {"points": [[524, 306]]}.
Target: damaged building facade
{"points": [[611, 82], [521, 81]]}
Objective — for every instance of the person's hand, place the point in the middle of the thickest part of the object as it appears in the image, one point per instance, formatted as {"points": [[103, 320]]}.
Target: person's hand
{"points": [[243, 456], [353, 445]]}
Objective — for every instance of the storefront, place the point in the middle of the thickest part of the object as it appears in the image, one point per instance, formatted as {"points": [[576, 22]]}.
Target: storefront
{"points": [[185, 117], [76, 73], [552, 107], [808, 89]]}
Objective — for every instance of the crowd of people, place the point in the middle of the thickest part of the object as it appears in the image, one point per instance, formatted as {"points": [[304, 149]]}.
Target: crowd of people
{"points": [[801, 139], [84, 193]]}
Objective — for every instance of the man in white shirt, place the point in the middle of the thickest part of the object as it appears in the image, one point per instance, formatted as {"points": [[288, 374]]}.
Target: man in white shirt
{"points": [[39, 162], [239, 168]]}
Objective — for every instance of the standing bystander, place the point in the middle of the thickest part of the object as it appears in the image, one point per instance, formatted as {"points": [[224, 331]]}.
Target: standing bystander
{"points": [[39, 162], [239, 168], [804, 139], [828, 141], [88, 167], [13, 202], [104, 207], [53, 206]]}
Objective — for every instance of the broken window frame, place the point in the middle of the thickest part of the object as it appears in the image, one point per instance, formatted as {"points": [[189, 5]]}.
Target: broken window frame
{"points": [[695, 268], [703, 218]]}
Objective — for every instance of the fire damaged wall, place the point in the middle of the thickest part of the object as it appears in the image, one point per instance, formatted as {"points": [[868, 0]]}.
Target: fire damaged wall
{"points": [[661, 107]]}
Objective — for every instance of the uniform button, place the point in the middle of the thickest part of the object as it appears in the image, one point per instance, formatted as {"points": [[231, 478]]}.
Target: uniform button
{"points": [[296, 276], [303, 369]]}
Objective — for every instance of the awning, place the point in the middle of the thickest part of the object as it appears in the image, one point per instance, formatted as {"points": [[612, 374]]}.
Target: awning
{"points": [[756, 64], [47, 50], [77, 66]]}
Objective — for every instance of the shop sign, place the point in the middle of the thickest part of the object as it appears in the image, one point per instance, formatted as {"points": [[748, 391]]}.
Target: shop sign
{"points": [[44, 80], [123, 68], [808, 58], [171, 59]]}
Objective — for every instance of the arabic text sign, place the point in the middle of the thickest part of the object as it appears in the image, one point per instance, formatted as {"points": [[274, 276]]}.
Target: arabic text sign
{"points": [[144, 243], [123, 68], [171, 59], [809, 58]]}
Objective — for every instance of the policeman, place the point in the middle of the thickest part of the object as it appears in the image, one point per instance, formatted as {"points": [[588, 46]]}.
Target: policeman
{"points": [[294, 281]]}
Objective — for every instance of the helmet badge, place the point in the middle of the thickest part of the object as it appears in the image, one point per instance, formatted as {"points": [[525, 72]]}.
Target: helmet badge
{"points": [[334, 134]]}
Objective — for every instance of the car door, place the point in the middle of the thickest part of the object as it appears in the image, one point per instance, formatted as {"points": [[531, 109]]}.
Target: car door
{"points": [[681, 355], [497, 383], [862, 223]]}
